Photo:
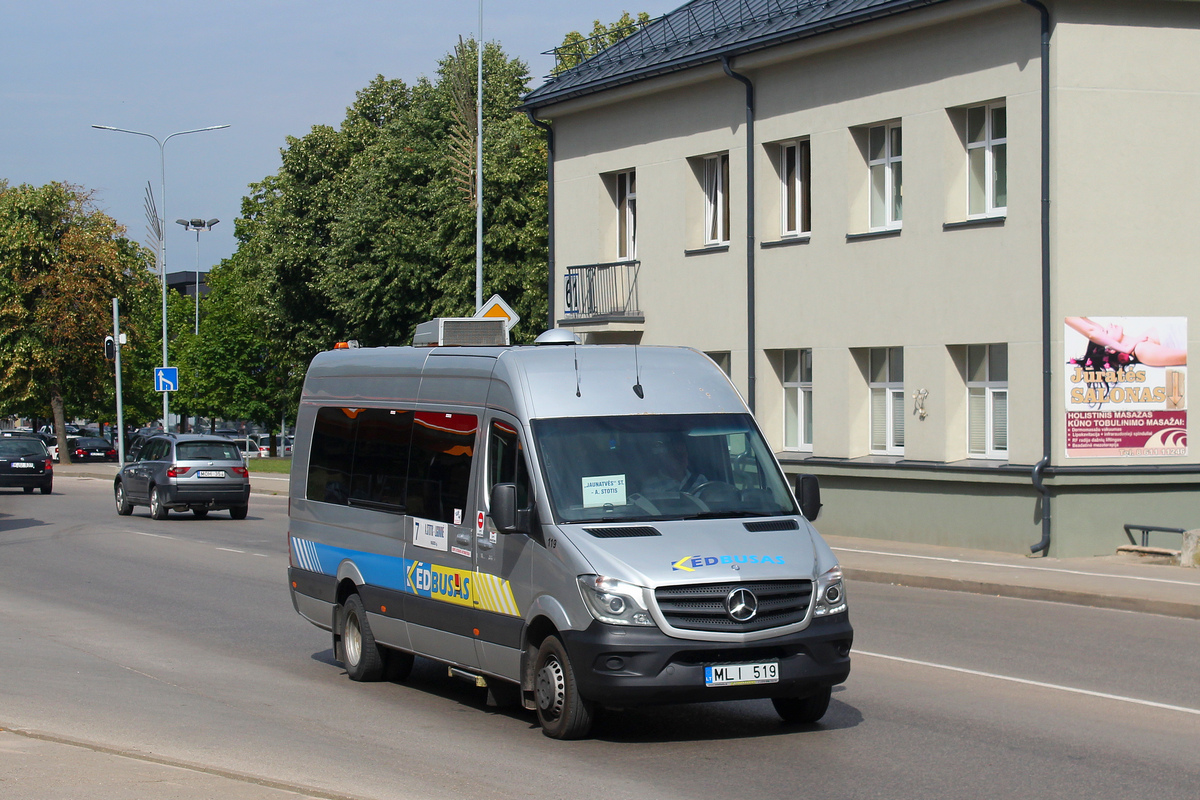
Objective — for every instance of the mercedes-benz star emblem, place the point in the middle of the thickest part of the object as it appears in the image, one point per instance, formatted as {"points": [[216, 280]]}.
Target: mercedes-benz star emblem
{"points": [[741, 604]]}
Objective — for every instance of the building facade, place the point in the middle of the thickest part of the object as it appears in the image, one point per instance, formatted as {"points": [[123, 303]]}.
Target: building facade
{"points": [[944, 248]]}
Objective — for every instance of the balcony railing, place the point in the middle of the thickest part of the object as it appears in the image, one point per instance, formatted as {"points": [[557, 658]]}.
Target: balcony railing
{"points": [[602, 292]]}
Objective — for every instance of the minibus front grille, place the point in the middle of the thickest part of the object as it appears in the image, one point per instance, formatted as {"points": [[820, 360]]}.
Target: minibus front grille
{"points": [[618, 532], [766, 525], [702, 606]]}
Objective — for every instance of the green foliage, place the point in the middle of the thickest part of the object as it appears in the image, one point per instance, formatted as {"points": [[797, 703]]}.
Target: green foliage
{"points": [[61, 263], [369, 229], [577, 48]]}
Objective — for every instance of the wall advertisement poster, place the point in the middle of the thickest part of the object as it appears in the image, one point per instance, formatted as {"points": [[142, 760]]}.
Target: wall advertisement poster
{"points": [[1126, 387]]}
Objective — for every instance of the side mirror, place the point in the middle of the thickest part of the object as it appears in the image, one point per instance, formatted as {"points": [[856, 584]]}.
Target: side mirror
{"points": [[503, 507], [808, 492]]}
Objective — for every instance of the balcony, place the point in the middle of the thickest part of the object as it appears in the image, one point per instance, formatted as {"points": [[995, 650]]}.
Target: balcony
{"points": [[601, 293]]}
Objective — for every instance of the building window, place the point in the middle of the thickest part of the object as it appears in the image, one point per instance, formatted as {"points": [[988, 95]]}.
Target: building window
{"points": [[797, 399], [987, 400], [987, 161], [724, 360], [884, 154], [626, 215], [796, 200], [887, 400], [716, 199]]}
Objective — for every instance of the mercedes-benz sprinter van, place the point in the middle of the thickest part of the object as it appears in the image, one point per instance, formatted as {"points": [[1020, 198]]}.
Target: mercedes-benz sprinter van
{"points": [[572, 526]]}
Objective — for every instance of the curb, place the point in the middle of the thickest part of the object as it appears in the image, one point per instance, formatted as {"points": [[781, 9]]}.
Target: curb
{"points": [[1093, 599]]}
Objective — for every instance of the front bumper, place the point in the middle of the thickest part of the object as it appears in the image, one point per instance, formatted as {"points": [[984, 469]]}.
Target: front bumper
{"points": [[623, 666]]}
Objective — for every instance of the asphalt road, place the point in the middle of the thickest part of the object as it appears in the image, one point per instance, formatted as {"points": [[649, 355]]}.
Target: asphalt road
{"points": [[176, 640]]}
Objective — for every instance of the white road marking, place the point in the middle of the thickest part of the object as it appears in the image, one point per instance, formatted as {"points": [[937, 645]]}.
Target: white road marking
{"points": [[231, 550], [1014, 566], [1039, 684], [155, 535]]}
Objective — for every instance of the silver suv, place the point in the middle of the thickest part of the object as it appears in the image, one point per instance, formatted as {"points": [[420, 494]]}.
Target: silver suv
{"points": [[185, 471]]}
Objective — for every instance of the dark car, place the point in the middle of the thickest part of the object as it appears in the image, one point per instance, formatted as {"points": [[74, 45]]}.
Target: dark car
{"points": [[180, 472], [25, 462], [91, 449]]}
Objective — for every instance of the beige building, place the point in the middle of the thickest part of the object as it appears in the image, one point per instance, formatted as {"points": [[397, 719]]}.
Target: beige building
{"points": [[863, 211]]}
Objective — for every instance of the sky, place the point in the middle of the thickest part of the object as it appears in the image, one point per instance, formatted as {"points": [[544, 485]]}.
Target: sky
{"points": [[267, 68]]}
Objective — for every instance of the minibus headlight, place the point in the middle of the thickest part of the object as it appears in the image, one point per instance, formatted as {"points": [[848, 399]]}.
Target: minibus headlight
{"points": [[831, 593], [614, 601]]}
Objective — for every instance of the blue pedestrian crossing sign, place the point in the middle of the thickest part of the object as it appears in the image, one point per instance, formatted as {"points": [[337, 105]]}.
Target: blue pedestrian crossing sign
{"points": [[166, 379]]}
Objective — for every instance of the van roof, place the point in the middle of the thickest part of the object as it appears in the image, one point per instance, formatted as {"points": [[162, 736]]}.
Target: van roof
{"points": [[546, 381]]}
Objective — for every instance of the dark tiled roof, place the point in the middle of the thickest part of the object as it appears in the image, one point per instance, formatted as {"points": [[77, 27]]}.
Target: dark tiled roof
{"points": [[702, 31]]}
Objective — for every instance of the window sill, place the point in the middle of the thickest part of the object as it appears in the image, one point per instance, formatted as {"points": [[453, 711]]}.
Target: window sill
{"points": [[711, 248], [981, 222], [787, 242], [883, 234]]}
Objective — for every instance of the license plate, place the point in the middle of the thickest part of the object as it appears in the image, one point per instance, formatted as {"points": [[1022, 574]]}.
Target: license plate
{"points": [[210, 473], [22, 465], [742, 674]]}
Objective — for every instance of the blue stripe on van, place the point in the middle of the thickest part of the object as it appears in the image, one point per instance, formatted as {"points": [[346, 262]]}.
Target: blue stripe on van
{"points": [[386, 572]]}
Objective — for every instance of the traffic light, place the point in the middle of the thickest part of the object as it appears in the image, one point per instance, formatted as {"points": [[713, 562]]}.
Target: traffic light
{"points": [[110, 348]]}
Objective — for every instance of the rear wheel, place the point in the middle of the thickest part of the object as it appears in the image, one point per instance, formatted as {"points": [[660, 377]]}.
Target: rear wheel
{"points": [[47, 488], [124, 507], [28, 489], [200, 513], [239, 512], [362, 657], [563, 714], [803, 709], [158, 509]]}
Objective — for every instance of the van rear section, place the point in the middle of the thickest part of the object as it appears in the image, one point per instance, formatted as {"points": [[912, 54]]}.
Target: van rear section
{"points": [[570, 526]]}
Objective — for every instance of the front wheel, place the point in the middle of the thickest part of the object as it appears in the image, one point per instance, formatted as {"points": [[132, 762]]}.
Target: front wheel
{"points": [[563, 714], [124, 507], [803, 709], [362, 657], [158, 509]]}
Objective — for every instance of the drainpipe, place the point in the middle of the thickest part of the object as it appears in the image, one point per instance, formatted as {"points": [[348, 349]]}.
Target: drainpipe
{"points": [[1043, 546], [752, 373], [549, 213]]}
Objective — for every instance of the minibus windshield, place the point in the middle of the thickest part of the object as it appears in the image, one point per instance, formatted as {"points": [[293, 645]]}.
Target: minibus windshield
{"points": [[659, 467]]}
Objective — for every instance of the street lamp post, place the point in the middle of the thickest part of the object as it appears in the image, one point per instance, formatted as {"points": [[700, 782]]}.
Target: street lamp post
{"points": [[162, 244], [197, 225]]}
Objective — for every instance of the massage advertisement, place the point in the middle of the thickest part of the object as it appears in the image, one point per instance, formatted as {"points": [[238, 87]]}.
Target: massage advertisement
{"points": [[1126, 386]]}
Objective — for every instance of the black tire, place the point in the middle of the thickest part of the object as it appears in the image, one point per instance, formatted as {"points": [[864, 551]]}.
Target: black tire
{"points": [[803, 709], [200, 513], [158, 510], [239, 512], [28, 489], [562, 713], [124, 507], [363, 659], [48, 488]]}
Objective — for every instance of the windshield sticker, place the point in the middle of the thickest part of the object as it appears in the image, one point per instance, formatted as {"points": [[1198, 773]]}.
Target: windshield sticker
{"points": [[430, 535], [603, 490], [693, 563]]}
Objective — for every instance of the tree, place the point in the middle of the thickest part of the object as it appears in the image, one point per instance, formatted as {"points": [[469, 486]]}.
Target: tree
{"points": [[576, 48], [61, 263]]}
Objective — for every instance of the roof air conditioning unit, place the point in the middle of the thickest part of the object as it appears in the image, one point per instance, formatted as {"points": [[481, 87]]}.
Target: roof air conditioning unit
{"points": [[462, 332]]}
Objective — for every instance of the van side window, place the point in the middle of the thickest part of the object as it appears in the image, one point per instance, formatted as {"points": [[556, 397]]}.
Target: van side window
{"points": [[381, 453], [331, 461], [439, 467], [506, 461]]}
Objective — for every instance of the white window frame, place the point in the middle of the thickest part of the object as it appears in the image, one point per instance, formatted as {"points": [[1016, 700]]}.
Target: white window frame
{"points": [[795, 198], [987, 152], [626, 197], [885, 366], [987, 401], [885, 168], [797, 399], [716, 199]]}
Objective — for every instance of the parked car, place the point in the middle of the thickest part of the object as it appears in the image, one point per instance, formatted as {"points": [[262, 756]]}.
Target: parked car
{"points": [[25, 462], [252, 449], [178, 472], [91, 449]]}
